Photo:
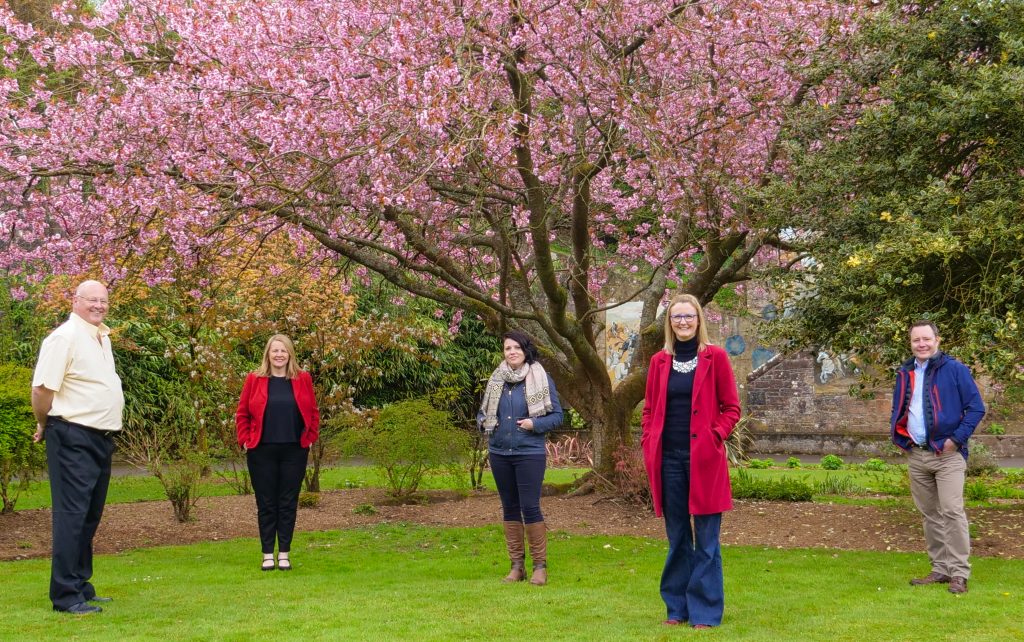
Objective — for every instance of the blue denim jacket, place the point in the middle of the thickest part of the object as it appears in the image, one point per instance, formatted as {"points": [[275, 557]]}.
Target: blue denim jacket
{"points": [[508, 438]]}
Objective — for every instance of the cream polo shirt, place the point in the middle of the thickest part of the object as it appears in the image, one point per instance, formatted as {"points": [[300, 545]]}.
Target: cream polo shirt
{"points": [[80, 371]]}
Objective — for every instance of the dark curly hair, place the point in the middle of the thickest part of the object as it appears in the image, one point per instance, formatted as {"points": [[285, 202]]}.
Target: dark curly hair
{"points": [[529, 350]]}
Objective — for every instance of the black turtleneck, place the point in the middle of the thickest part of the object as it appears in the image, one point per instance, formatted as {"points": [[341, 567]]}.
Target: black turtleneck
{"points": [[676, 435]]}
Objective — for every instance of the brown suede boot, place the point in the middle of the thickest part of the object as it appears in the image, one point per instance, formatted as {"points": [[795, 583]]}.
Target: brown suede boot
{"points": [[537, 533], [516, 551]]}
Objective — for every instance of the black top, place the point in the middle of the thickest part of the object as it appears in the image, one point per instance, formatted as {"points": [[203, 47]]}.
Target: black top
{"points": [[282, 421], [679, 400]]}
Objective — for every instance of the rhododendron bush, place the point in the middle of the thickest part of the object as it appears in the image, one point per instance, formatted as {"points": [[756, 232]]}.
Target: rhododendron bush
{"points": [[505, 158]]}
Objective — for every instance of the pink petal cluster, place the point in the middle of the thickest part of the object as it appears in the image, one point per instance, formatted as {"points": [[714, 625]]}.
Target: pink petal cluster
{"points": [[431, 140]]}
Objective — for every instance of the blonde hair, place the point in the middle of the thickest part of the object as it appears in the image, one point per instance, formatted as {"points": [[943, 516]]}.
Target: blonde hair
{"points": [[702, 333], [291, 370]]}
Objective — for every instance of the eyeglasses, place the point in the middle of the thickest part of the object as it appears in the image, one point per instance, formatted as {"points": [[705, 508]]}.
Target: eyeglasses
{"points": [[679, 318], [93, 300]]}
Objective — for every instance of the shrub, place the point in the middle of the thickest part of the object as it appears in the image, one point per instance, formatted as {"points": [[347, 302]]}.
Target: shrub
{"points": [[230, 467], [831, 462], [837, 485], [889, 485], [409, 440], [977, 490], [1015, 477], [180, 479], [980, 461], [570, 450], [365, 509], [1003, 489], [629, 481], [740, 442], [996, 429], [21, 459], [793, 462], [179, 475], [760, 464], [875, 464], [786, 489], [309, 500]]}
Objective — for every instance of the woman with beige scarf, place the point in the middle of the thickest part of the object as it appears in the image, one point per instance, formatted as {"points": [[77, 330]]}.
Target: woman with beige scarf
{"points": [[520, 405]]}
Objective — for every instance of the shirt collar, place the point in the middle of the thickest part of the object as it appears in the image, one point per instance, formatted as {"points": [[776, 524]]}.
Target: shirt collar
{"points": [[101, 330]]}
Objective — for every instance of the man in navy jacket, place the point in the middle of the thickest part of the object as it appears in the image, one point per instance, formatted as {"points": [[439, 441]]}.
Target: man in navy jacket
{"points": [[935, 408]]}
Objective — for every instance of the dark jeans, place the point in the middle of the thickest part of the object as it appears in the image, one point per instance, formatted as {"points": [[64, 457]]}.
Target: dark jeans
{"points": [[691, 584], [518, 478], [276, 471], [78, 461]]}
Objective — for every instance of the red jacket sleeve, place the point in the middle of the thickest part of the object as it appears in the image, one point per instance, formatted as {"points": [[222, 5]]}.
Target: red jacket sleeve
{"points": [[243, 420], [649, 393], [728, 396], [314, 427]]}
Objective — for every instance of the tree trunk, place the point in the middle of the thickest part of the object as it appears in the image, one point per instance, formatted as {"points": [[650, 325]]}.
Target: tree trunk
{"points": [[611, 432], [312, 478]]}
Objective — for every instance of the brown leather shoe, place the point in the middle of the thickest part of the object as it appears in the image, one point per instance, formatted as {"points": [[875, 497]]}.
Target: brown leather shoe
{"points": [[931, 578], [958, 585]]}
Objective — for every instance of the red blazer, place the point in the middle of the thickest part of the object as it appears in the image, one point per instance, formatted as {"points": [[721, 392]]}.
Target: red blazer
{"points": [[249, 418], [716, 409]]}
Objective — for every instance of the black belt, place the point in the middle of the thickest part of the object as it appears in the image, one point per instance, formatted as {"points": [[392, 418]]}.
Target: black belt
{"points": [[106, 434], [921, 446]]}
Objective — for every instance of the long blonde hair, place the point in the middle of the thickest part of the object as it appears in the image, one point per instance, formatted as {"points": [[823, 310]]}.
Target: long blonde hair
{"points": [[291, 370], [702, 333]]}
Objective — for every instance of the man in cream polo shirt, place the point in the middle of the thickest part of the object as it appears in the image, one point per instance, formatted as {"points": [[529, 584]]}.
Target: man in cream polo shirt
{"points": [[77, 400]]}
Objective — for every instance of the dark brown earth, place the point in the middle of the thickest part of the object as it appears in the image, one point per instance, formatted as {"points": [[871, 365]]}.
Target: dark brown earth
{"points": [[997, 532]]}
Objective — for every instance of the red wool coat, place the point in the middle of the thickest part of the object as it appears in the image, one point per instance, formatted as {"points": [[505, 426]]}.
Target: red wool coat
{"points": [[253, 402], [716, 409]]}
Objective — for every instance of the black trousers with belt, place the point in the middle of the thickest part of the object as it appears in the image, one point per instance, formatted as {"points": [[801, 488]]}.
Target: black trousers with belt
{"points": [[277, 471], [78, 461]]}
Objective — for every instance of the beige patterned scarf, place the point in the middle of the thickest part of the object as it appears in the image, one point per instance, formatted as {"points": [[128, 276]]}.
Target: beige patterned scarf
{"points": [[538, 394]]}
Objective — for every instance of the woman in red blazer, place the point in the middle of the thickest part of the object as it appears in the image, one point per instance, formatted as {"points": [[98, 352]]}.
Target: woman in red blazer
{"points": [[277, 421], [690, 408]]}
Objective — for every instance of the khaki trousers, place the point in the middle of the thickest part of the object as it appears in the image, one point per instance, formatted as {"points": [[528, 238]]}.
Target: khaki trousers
{"points": [[937, 486]]}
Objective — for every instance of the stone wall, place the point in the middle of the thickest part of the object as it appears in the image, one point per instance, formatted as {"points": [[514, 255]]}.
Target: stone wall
{"points": [[791, 398], [802, 405]]}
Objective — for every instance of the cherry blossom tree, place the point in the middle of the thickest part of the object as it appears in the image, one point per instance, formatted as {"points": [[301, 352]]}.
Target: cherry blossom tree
{"points": [[507, 159]]}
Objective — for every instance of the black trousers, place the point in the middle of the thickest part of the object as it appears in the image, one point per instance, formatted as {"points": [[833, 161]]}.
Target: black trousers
{"points": [[519, 479], [78, 461], [276, 471]]}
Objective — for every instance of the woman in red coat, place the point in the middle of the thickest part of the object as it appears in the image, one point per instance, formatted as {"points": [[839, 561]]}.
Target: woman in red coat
{"points": [[690, 408], [277, 421]]}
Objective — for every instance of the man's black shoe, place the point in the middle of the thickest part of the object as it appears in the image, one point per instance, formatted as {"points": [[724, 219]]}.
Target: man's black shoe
{"points": [[80, 609]]}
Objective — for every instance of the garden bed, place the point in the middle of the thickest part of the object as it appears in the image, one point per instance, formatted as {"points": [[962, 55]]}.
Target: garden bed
{"points": [[996, 531]]}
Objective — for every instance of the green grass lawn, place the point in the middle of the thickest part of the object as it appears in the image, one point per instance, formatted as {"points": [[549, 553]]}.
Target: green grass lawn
{"points": [[414, 583], [139, 488]]}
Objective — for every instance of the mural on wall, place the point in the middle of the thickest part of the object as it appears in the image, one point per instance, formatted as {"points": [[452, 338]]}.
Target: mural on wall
{"points": [[832, 367], [760, 356], [735, 345], [622, 336]]}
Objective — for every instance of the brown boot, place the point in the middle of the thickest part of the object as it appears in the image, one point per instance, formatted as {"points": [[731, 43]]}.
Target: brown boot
{"points": [[516, 551], [537, 533]]}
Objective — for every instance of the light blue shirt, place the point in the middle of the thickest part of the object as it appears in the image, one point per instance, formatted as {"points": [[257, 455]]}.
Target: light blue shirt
{"points": [[915, 414]]}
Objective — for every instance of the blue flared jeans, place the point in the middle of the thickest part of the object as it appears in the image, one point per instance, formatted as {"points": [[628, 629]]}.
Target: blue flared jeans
{"points": [[691, 584]]}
